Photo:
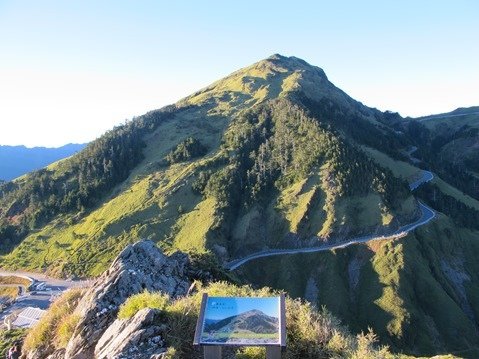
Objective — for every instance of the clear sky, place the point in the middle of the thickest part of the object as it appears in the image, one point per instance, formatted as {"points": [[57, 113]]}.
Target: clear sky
{"points": [[70, 70]]}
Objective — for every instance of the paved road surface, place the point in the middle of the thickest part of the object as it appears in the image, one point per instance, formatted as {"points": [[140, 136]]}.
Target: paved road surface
{"points": [[427, 214], [426, 177]]}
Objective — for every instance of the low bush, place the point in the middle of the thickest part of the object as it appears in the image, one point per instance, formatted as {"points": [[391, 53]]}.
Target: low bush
{"points": [[11, 279], [8, 292], [9, 337]]}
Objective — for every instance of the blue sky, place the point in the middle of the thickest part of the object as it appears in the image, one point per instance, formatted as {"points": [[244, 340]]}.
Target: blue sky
{"points": [[224, 307], [70, 70]]}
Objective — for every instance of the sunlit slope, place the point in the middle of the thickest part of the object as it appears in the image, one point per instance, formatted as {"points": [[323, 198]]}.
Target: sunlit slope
{"points": [[273, 166], [146, 205], [275, 77], [272, 177]]}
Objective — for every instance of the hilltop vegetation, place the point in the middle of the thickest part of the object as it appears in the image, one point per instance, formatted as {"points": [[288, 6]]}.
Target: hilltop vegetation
{"points": [[310, 333]]}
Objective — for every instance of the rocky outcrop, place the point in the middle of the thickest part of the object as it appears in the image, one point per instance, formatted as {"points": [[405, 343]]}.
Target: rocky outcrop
{"points": [[137, 338], [141, 266]]}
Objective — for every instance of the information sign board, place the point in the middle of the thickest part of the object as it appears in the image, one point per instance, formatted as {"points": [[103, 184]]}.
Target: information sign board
{"points": [[243, 321]]}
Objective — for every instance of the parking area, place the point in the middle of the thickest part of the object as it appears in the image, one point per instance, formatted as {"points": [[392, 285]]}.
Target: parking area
{"points": [[39, 295]]}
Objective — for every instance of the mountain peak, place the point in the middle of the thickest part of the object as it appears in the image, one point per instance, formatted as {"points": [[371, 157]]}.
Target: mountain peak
{"points": [[293, 63], [276, 57], [274, 77]]}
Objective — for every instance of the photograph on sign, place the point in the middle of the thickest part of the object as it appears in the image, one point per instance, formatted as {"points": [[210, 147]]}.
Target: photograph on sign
{"points": [[241, 321]]}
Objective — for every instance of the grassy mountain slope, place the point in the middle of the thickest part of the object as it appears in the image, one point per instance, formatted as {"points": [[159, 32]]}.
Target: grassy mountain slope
{"points": [[158, 200], [267, 161], [456, 119], [409, 172]]}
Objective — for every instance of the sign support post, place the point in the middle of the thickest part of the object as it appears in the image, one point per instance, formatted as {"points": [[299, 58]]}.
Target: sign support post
{"points": [[212, 351], [273, 352]]}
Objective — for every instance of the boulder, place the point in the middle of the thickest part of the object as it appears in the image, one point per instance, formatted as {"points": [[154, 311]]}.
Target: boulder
{"points": [[139, 337]]}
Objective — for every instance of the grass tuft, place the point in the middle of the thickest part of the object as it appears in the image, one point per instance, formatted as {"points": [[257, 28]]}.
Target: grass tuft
{"points": [[140, 301], [65, 330], [57, 325]]}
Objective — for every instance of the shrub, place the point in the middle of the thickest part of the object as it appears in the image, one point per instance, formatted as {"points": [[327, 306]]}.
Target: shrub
{"points": [[365, 347], [8, 337], [8, 292], [11, 279], [185, 150]]}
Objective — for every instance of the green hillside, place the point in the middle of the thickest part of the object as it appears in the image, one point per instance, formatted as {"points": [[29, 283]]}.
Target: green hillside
{"points": [[409, 172], [456, 119], [272, 156], [265, 158], [272, 165]]}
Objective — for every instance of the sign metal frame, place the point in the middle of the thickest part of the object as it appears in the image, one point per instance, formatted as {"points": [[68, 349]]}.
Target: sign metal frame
{"points": [[212, 350]]}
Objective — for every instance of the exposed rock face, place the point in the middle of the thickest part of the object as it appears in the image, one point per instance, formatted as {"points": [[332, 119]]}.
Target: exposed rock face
{"points": [[141, 266], [137, 338]]}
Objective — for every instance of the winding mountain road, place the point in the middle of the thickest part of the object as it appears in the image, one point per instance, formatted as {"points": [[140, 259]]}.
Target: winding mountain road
{"points": [[427, 214], [426, 177]]}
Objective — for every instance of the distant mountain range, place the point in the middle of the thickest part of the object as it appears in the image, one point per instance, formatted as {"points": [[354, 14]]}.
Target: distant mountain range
{"points": [[18, 160], [458, 112]]}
